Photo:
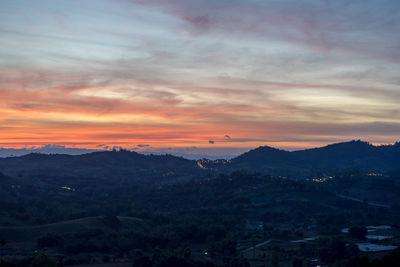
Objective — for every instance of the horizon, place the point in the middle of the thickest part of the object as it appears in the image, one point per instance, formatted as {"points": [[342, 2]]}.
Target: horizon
{"points": [[191, 154], [215, 76]]}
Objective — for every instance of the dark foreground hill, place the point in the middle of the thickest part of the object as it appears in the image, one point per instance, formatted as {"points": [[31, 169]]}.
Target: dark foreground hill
{"points": [[353, 154], [110, 164], [165, 211]]}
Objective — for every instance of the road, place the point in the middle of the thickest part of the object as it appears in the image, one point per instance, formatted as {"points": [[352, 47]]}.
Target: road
{"points": [[361, 201], [256, 246]]}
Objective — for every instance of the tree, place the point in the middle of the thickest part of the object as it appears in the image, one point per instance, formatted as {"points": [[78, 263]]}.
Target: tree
{"points": [[49, 240], [187, 253], [106, 259], [275, 259], [297, 262], [141, 260], [112, 222], [358, 232], [360, 261], [42, 260], [3, 242]]}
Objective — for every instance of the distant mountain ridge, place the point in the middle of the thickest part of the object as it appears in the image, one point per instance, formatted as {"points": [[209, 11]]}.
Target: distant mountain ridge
{"points": [[104, 164], [128, 164], [60, 149], [47, 149], [353, 154]]}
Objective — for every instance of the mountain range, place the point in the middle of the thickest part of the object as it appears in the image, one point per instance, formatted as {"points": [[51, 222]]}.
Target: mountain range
{"points": [[264, 159], [353, 154], [47, 149]]}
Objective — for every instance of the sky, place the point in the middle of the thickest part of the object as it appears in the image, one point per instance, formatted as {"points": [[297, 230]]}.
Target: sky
{"points": [[209, 76]]}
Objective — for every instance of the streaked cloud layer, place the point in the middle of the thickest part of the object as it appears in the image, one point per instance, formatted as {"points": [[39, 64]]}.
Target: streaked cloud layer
{"points": [[176, 73]]}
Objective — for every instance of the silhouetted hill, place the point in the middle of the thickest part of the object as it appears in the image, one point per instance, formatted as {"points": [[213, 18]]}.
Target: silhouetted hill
{"points": [[263, 151], [265, 159], [145, 168], [106, 164], [47, 149], [353, 154]]}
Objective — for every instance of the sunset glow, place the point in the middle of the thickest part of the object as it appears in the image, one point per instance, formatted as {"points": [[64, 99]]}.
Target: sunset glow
{"points": [[159, 74]]}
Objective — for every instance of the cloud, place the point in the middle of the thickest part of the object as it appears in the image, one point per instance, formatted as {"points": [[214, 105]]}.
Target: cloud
{"points": [[143, 146], [178, 72], [321, 25], [104, 146]]}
